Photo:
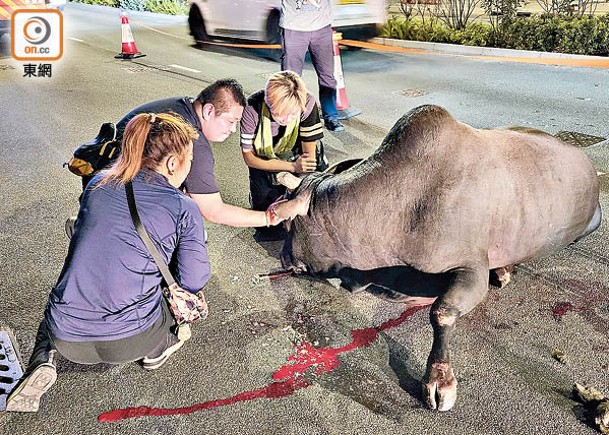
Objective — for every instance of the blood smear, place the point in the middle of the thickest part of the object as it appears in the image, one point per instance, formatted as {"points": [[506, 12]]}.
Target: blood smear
{"points": [[561, 309], [288, 379]]}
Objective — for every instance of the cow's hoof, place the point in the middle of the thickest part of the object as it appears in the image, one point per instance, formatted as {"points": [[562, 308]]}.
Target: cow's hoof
{"points": [[440, 387]]}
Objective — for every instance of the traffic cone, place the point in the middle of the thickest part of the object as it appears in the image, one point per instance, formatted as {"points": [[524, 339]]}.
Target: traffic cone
{"points": [[129, 50], [342, 104]]}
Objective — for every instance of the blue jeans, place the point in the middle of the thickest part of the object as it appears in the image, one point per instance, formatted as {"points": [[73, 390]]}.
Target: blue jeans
{"points": [[327, 99]]}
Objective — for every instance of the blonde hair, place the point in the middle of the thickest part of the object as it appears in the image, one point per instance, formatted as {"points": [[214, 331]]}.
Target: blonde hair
{"points": [[148, 139], [285, 91]]}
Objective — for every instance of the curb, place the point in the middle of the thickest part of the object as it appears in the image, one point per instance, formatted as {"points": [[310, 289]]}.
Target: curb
{"points": [[481, 51], [130, 13]]}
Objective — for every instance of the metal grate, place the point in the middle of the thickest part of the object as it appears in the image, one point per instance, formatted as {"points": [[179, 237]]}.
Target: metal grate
{"points": [[265, 75], [10, 368], [135, 68], [578, 139]]}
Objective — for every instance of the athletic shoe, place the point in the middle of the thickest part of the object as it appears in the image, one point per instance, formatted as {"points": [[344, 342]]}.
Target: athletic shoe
{"points": [[69, 226], [157, 361], [333, 125], [183, 332], [26, 396]]}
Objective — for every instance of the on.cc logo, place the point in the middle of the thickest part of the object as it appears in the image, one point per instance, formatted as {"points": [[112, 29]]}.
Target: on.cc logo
{"points": [[36, 34], [36, 30]]}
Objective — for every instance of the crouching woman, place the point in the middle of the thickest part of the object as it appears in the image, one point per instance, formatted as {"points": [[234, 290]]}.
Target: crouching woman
{"points": [[280, 131], [107, 305]]}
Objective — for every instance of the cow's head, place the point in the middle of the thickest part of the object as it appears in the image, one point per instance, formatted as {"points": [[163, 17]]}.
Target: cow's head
{"points": [[298, 201], [300, 220], [298, 195], [299, 190]]}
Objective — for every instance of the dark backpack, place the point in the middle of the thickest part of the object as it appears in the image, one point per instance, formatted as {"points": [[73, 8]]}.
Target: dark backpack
{"points": [[97, 154]]}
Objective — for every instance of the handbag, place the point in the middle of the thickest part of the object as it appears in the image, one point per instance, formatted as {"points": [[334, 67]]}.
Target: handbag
{"points": [[186, 307], [97, 154]]}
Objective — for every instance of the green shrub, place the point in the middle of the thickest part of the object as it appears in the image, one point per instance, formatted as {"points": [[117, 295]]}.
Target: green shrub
{"points": [[414, 29], [170, 7], [477, 34], [134, 5], [396, 27], [586, 35], [563, 34], [439, 33], [599, 45], [113, 3]]}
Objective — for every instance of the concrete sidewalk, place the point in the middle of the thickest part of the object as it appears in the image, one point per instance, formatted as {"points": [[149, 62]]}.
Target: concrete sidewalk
{"points": [[490, 53]]}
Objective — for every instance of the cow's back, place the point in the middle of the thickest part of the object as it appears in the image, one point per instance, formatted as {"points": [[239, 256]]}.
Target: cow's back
{"points": [[545, 195], [437, 191]]}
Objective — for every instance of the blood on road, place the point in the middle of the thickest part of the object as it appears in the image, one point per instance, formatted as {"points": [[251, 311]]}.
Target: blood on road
{"points": [[289, 378]]}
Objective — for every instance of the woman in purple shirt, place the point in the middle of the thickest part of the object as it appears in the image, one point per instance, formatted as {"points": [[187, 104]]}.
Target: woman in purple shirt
{"points": [[107, 305]]}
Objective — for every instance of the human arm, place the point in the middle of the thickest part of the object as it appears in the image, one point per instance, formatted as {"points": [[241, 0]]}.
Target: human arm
{"points": [[304, 163], [310, 148], [215, 210], [310, 129], [248, 129], [191, 268]]}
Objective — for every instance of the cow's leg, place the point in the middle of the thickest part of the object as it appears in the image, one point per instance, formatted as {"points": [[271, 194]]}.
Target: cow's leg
{"points": [[357, 281], [468, 288], [391, 295]]}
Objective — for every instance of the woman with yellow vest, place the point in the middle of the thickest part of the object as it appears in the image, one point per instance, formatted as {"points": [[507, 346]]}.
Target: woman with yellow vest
{"points": [[280, 131]]}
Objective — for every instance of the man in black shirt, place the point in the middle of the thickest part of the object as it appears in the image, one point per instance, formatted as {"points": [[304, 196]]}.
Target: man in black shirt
{"points": [[215, 114]]}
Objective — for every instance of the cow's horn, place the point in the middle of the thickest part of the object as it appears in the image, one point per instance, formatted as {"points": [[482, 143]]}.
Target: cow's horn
{"points": [[288, 180]]}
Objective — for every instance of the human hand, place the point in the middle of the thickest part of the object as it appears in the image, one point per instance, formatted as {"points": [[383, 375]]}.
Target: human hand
{"points": [[272, 216], [304, 163]]}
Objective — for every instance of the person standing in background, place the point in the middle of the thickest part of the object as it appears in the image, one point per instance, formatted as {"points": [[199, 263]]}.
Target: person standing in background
{"points": [[307, 26]]}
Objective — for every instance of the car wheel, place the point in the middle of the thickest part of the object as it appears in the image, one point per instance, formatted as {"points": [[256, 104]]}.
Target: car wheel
{"points": [[197, 25], [273, 36]]}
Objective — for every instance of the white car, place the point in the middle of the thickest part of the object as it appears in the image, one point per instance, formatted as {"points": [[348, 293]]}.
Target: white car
{"points": [[258, 20]]}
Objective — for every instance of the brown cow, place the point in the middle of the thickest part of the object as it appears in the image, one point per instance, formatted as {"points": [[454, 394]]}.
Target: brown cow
{"points": [[432, 210]]}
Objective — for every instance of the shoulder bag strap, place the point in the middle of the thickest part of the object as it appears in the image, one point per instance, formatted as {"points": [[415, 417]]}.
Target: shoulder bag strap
{"points": [[146, 238]]}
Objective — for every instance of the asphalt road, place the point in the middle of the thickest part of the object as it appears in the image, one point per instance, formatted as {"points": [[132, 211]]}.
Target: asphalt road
{"points": [[235, 375]]}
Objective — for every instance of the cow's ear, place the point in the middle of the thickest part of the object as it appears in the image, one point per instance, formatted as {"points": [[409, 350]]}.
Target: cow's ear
{"points": [[288, 180], [298, 206]]}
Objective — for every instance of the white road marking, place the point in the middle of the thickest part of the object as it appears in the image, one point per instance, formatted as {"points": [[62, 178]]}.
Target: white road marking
{"points": [[600, 173], [76, 39], [185, 68]]}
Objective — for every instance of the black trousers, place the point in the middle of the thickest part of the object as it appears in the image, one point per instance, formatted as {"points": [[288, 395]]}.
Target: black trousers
{"points": [[150, 342], [264, 188]]}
